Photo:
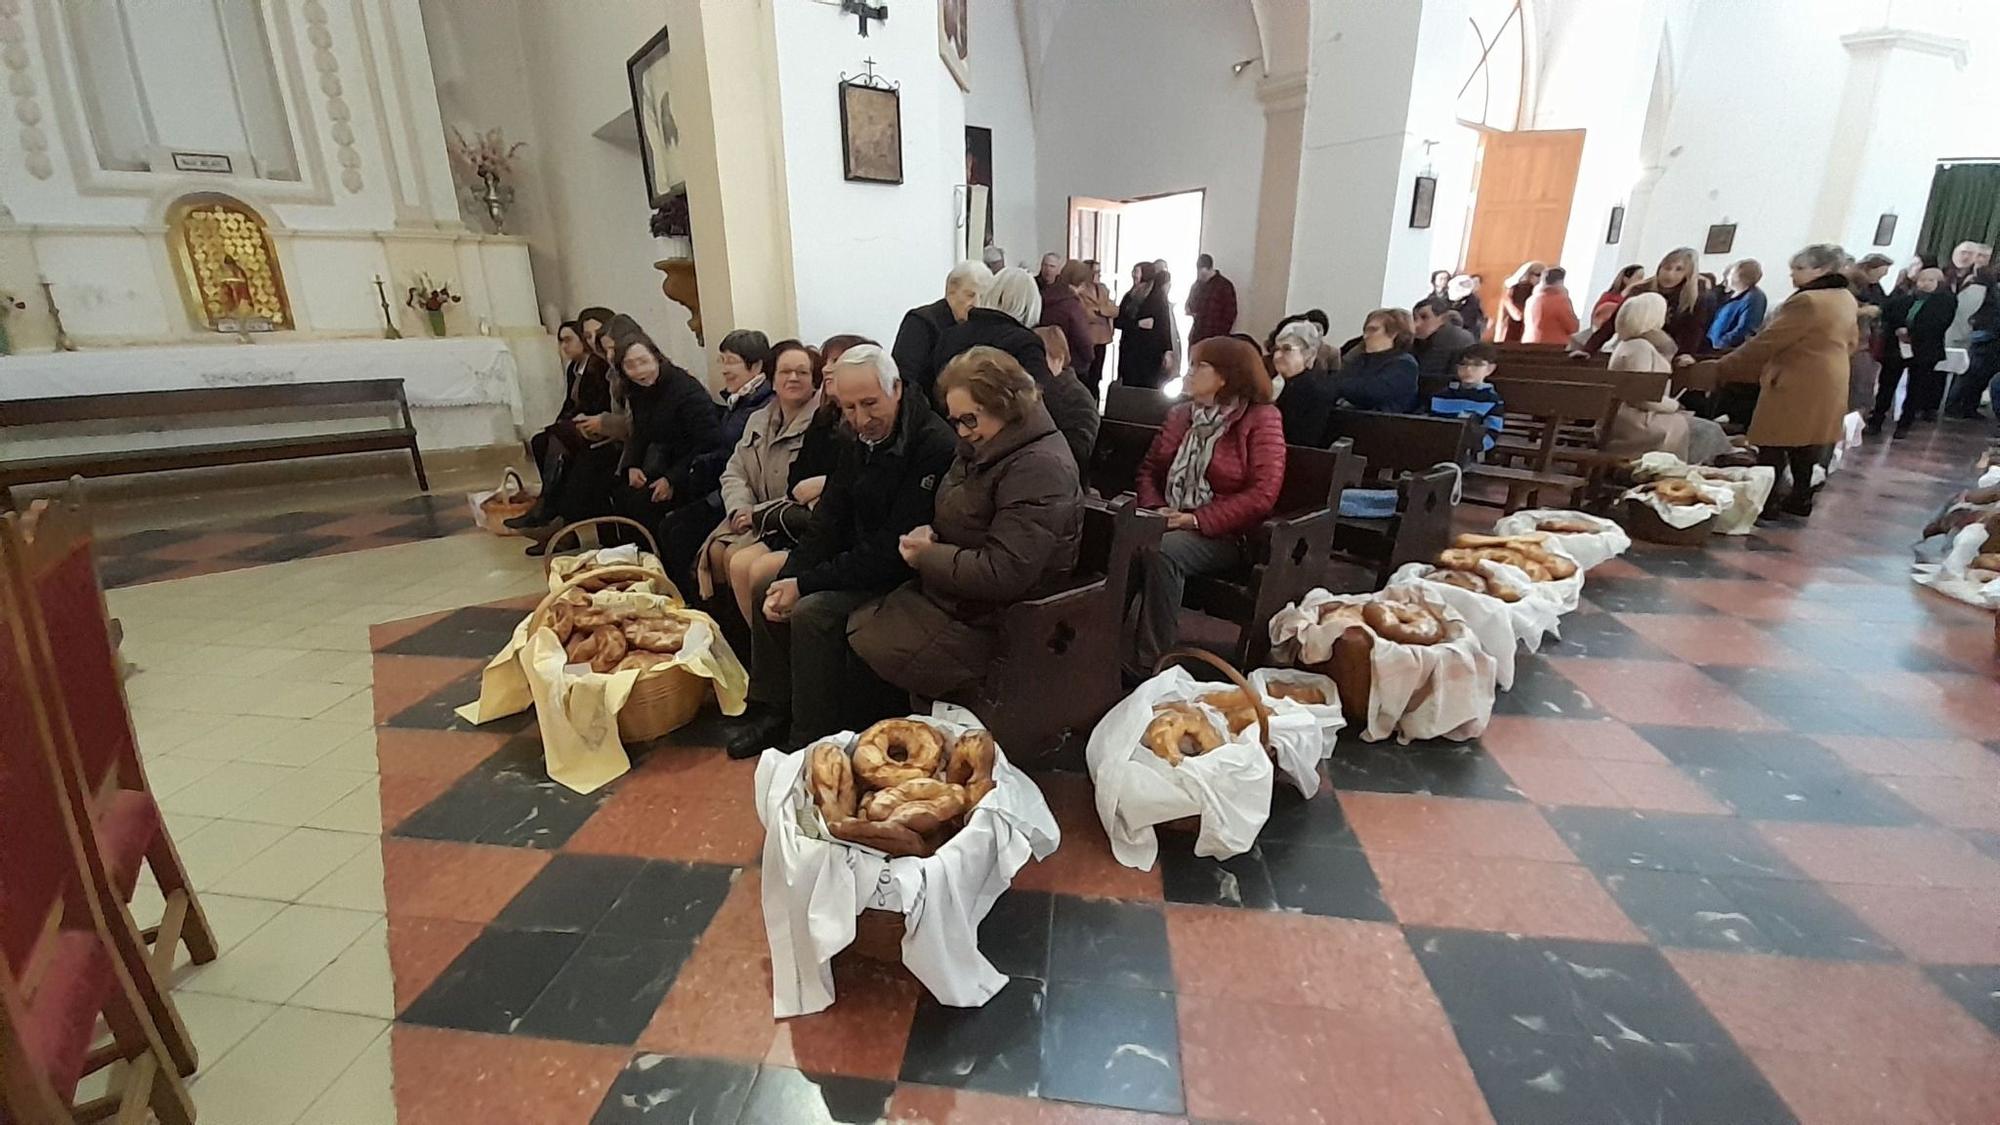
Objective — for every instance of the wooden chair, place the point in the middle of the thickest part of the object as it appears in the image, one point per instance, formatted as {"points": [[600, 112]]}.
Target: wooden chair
{"points": [[62, 968], [1059, 656], [1287, 552], [1545, 409], [1115, 459], [55, 580], [1421, 458], [1136, 404]]}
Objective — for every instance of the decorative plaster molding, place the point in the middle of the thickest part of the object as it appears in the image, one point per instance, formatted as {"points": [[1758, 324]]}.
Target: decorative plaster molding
{"points": [[1282, 93], [327, 65], [1908, 39], [21, 84]]}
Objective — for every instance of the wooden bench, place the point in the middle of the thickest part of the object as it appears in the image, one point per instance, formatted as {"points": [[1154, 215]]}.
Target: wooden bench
{"points": [[142, 405], [1060, 656], [1554, 413], [1114, 461], [1143, 405], [1414, 455]]}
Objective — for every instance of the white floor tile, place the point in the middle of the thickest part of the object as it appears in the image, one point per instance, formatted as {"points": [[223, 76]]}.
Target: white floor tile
{"points": [[219, 1023], [223, 846], [359, 811], [361, 1096], [230, 786], [293, 700], [354, 885], [285, 952], [162, 731], [234, 921], [292, 865], [276, 1075], [358, 981], [169, 775], [304, 795], [357, 752]]}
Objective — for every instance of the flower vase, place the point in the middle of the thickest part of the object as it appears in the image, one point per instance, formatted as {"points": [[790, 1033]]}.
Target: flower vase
{"points": [[496, 204], [435, 317]]}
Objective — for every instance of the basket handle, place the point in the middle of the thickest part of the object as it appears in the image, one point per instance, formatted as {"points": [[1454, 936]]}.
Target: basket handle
{"points": [[569, 529], [540, 616], [1235, 677], [512, 487]]}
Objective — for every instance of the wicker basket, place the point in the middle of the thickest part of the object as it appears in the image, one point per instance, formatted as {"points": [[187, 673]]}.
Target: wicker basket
{"points": [[878, 936], [659, 577], [663, 699], [1645, 523], [513, 498], [1192, 824]]}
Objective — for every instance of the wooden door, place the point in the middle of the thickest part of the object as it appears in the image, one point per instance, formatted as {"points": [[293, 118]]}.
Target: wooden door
{"points": [[1524, 185], [1093, 235]]}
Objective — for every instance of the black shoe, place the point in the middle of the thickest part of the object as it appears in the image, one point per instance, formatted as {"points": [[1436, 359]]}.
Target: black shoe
{"points": [[760, 728], [1873, 427], [533, 517], [1797, 506], [1902, 429], [537, 549], [1927, 416]]}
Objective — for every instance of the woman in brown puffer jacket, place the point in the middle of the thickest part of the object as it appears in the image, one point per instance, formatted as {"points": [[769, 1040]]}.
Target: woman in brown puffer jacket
{"points": [[1009, 515]]}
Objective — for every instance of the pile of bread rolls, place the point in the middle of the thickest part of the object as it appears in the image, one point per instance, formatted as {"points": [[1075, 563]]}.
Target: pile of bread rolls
{"points": [[1458, 565], [1180, 729], [616, 638], [903, 792]]}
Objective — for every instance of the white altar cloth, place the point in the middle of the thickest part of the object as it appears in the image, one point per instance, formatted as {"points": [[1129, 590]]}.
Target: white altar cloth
{"points": [[456, 371]]}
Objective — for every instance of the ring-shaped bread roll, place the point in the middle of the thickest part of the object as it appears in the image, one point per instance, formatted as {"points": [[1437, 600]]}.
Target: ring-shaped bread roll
{"points": [[1988, 561], [1678, 491], [927, 815], [1236, 708], [830, 780], [879, 804], [1566, 525], [1463, 579], [1297, 693], [1403, 623], [897, 750], [891, 839], [1180, 730], [611, 648], [1459, 558], [971, 758]]}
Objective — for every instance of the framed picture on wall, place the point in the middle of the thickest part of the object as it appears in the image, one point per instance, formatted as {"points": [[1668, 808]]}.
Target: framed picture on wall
{"points": [[871, 133], [954, 46], [1615, 229], [652, 112], [1885, 229], [1421, 202], [1721, 239]]}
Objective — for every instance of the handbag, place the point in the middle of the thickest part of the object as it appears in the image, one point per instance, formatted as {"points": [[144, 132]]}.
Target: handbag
{"points": [[781, 524], [491, 509]]}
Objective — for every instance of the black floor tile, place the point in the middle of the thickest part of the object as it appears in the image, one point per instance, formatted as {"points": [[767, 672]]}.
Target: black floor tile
{"points": [[1106, 941], [1493, 979], [571, 894], [132, 569], [995, 1048], [424, 505], [1616, 840], [1680, 908], [1111, 1046], [494, 982], [1458, 769], [1542, 691], [423, 527], [1330, 882], [1671, 563], [1778, 775], [1629, 992], [664, 1090], [794, 1097], [438, 711], [288, 523], [1669, 1083], [141, 542], [1538, 1079], [1988, 842], [1015, 933], [507, 800], [474, 632], [668, 900], [1240, 881], [1704, 747], [1301, 820], [1801, 920], [607, 991], [1600, 634], [1640, 595], [1975, 987], [285, 548]]}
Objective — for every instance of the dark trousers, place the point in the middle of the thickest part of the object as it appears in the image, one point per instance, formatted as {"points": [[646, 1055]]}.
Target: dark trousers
{"points": [[804, 667], [638, 505], [1094, 378], [1983, 366], [1926, 391], [583, 483], [682, 532], [1893, 366], [1800, 460]]}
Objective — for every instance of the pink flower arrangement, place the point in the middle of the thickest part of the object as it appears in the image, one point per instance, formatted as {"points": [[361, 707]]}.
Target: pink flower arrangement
{"points": [[429, 295], [486, 156]]}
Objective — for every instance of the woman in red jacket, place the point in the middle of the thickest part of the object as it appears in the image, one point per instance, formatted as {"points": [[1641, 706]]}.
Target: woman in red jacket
{"points": [[1215, 470]]}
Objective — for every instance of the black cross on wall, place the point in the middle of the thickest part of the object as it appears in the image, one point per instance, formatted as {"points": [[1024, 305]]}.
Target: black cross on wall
{"points": [[863, 12]]}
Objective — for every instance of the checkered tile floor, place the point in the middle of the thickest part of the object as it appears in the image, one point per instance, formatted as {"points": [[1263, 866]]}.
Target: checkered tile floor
{"points": [[183, 552], [1730, 852]]}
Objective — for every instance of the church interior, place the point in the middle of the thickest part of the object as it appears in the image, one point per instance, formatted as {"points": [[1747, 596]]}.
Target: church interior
{"points": [[964, 561]]}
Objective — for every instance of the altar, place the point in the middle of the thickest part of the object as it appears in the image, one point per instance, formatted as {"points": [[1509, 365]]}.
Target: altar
{"points": [[464, 391]]}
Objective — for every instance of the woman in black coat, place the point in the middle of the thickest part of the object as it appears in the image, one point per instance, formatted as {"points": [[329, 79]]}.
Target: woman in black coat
{"points": [[1145, 324], [586, 393], [674, 422]]}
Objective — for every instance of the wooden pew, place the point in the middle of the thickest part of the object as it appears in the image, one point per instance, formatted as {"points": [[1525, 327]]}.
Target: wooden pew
{"points": [[1115, 459], [1136, 404], [1547, 409], [1404, 452]]}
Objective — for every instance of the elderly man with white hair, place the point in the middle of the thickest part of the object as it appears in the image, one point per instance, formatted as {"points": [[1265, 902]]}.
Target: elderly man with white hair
{"points": [[1004, 318], [804, 679], [917, 338]]}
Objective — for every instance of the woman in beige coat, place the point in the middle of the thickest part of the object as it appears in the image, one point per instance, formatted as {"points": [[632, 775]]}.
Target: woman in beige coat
{"points": [[1801, 360], [756, 484]]}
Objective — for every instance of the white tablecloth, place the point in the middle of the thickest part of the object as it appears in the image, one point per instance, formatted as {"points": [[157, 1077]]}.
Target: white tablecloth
{"points": [[456, 371]]}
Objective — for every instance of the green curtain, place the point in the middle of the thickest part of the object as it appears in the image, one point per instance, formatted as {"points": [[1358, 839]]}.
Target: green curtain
{"points": [[1964, 206]]}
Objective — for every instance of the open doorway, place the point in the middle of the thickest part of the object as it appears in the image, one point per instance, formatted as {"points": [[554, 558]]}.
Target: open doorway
{"points": [[1121, 233]]}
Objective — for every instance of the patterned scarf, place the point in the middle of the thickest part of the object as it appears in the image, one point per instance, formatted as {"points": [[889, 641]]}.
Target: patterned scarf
{"points": [[1187, 481]]}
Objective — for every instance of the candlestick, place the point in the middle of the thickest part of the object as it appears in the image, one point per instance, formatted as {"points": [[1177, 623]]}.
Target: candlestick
{"points": [[63, 342], [389, 330]]}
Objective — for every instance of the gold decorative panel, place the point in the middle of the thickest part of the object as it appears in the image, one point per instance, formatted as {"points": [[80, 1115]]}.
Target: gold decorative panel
{"points": [[230, 269]]}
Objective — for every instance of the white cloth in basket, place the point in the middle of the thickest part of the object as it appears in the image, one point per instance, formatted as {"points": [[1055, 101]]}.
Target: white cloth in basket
{"points": [[1445, 690], [1588, 549], [1500, 627], [1953, 576], [1735, 495], [816, 886]]}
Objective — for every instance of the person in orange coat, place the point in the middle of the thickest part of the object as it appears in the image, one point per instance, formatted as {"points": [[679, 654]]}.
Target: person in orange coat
{"points": [[1215, 470], [1551, 318]]}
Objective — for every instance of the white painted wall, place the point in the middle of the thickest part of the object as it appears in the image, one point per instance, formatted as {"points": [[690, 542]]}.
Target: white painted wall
{"points": [[1138, 99], [865, 252], [999, 100]]}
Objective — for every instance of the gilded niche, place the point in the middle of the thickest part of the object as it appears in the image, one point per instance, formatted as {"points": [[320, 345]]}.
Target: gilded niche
{"points": [[229, 268]]}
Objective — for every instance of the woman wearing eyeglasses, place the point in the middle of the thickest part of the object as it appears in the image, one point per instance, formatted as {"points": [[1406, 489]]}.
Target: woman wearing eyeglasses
{"points": [[1008, 517]]}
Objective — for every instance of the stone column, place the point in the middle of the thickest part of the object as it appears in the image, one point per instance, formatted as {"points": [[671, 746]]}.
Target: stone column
{"points": [[1284, 99], [1885, 153]]}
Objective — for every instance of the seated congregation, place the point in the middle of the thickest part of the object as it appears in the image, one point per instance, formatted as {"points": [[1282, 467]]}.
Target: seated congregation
{"points": [[859, 518]]}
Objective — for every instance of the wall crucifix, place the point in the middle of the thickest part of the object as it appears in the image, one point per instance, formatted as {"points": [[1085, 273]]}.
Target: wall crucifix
{"points": [[863, 11]]}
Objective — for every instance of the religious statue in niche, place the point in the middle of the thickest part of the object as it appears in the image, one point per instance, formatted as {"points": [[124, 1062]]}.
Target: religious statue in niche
{"points": [[229, 268]]}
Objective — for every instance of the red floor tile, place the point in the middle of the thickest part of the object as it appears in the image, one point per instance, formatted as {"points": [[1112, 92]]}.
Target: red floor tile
{"points": [[1750, 597], [389, 632], [1950, 801], [1617, 568], [1832, 1007], [457, 1077], [1870, 1089], [403, 794], [1936, 925], [1453, 826], [1083, 865], [1916, 757], [362, 524], [1533, 736], [460, 882], [1278, 1065], [1362, 968], [680, 804], [1709, 638], [212, 545], [934, 1105], [403, 681], [1647, 691], [433, 753], [1971, 645], [1504, 895], [1556, 781], [1887, 857], [421, 948]]}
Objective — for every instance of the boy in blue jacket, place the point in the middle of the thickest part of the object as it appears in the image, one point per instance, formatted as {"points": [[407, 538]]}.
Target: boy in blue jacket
{"points": [[1471, 396]]}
